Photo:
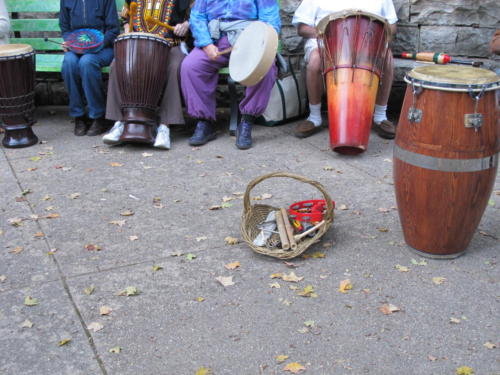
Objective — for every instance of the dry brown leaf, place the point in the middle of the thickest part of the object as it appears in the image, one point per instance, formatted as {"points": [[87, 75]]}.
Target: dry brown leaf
{"points": [[401, 268], [105, 310], [15, 221], [389, 308], [127, 213], [120, 223], [95, 326], [383, 229], [431, 358], [345, 285], [232, 266], [289, 264], [16, 250], [294, 367], [275, 285], [39, 235], [225, 281], [489, 345], [231, 240], [92, 247], [281, 358], [133, 238], [438, 280], [52, 216], [277, 275], [115, 164], [292, 277]]}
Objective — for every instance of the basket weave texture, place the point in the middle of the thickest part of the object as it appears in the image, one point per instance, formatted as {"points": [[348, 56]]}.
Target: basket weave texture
{"points": [[255, 214]]}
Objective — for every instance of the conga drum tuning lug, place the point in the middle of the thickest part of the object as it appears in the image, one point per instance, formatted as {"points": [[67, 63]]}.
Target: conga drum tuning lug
{"points": [[415, 115], [473, 120]]}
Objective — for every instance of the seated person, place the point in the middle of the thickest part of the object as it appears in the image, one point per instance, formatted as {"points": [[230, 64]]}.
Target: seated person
{"points": [[82, 73], [173, 12], [495, 43], [306, 18], [4, 23], [215, 25]]}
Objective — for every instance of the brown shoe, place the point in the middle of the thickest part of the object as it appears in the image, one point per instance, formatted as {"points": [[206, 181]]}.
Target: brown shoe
{"points": [[99, 126], [305, 129], [81, 126], [385, 129]]}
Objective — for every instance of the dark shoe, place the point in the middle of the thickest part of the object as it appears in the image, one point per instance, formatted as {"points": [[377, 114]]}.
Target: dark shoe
{"points": [[81, 126], [305, 129], [244, 134], [203, 133], [385, 129], [99, 126]]}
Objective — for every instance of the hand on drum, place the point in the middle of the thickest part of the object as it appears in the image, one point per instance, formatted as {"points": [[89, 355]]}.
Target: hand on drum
{"points": [[65, 47], [181, 29], [212, 51]]}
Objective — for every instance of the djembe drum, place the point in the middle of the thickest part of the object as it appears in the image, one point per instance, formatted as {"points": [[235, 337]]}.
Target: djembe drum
{"points": [[446, 156], [17, 94], [141, 70], [353, 45]]}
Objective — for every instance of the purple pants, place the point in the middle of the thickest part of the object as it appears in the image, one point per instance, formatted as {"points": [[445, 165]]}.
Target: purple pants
{"points": [[199, 78]]}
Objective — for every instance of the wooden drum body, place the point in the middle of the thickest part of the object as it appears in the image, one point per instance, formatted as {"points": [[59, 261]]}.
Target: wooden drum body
{"points": [[141, 70], [446, 156], [353, 46], [17, 95]]}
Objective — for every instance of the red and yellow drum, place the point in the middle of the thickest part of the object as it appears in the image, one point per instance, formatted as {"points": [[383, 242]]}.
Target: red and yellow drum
{"points": [[353, 46], [446, 156]]}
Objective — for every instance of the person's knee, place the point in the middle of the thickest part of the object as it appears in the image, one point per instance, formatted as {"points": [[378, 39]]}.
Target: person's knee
{"points": [[88, 64], [70, 62], [314, 63]]}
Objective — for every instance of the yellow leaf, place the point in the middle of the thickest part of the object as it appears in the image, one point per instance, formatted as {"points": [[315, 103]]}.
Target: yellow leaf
{"points": [[278, 275], [127, 213], [294, 367], [39, 235], [318, 254], [105, 310], [200, 299], [203, 371], [438, 280], [232, 266], [489, 345], [157, 268], [114, 164], [120, 223], [292, 277], [465, 370], [401, 268], [89, 290], [16, 250], [345, 285], [115, 349], [30, 301], [388, 308], [231, 240], [275, 285], [52, 216], [129, 291], [308, 291], [281, 358], [63, 342]]}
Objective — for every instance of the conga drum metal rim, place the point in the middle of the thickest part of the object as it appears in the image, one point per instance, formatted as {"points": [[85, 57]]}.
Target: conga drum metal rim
{"points": [[253, 53], [141, 35], [453, 78]]}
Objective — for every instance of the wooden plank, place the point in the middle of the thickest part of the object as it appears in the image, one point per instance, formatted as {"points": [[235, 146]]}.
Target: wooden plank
{"points": [[35, 25], [39, 44], [49, 62], [33, 5]]}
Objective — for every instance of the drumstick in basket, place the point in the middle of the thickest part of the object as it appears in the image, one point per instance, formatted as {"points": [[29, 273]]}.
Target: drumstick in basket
{"points": [[288, 228], [310, 230], [285, 245], [150, 19]]}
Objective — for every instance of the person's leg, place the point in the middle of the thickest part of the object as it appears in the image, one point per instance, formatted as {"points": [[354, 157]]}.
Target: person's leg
{"points": [[381, 125], [314, 83], [199, 77], [113, 110]]}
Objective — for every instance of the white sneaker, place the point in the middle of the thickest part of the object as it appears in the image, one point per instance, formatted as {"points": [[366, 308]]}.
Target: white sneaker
{"points": [[163, 137], [113, 136]]}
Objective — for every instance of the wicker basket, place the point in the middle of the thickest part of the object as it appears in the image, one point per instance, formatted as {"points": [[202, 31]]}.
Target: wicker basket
{"points": [[256, 214]]}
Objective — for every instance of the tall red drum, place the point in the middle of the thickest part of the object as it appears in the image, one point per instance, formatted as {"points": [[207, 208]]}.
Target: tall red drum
{"points": [[353, 45], [17, 95], [446, 156], [141, 70]]}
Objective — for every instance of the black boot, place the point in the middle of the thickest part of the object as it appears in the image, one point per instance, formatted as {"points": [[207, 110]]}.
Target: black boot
{"points": [[99, 126], [244, 132], [81, 126], [204, 132]]}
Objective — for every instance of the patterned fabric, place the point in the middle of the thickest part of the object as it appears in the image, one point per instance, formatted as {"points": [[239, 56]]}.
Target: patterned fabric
{"points": [[158, 9], [206, 10]]}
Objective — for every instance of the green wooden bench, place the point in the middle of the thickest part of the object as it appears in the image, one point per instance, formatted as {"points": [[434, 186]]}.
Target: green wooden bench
{"points": [[49, 55]]}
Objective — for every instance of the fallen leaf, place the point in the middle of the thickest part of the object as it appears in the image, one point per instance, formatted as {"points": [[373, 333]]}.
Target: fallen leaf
{"points": [[318, 254], [309, 323], [95, 326], [200, 299], [157, 268], [491, 203], [292, 277], [290, 264], [278, 275], [464, 370], [383, 229], [74, 195], [120, 223], [52, 216], [215, 207], [225, 281], [190, 256], [92, 247], [343, 207], [328, 168], [227, 199], [26, 324], [30, 301], [401, 268], [231, 240], [146, 154], [232, 266], [489, 345], [129, 291], [177, 254], [275, 285], [64, 342], [26, 192], [438, 280], [294, 367], [31, 169], [89, 290], [127, 213], [345, 285], [455, 320], [389, 308], [15, 221], [281, 358], [16, 250], [308, 291], [303, 330], [383, 210], [3, 278], [115, 164], [422, 262], [105, 310], [201, 238], [431, 358], [133, 238], [262, 197], [115, 349], [203, 371], [35, 158]]}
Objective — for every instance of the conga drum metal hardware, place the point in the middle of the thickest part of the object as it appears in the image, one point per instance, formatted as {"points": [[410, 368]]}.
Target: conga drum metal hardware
{"points": [[17, 95], [141, 70], [446, 156], [353, 45], [253, 53]]}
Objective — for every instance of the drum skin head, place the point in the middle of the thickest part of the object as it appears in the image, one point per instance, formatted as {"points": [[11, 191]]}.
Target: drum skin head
{"points": [[253, 53], [139, 34], [14, 49], [453, 77], [323, 23]]}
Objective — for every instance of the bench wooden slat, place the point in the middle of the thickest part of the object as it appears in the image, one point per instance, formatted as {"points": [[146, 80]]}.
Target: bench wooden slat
{"points": [[39, 44], [33, 5], [46, 62], [35, 25]]}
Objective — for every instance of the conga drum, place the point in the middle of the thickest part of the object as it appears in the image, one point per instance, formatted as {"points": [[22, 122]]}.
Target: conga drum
{"points": [[446, 156], [17, 94], [353, 45], [141, 70]]}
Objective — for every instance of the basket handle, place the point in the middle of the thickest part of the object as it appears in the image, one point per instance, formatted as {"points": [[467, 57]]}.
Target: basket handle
{"points": [[329, 205]]}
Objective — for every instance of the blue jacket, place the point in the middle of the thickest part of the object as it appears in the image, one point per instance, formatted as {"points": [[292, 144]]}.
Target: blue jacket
{"points": [[93, 14]]}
